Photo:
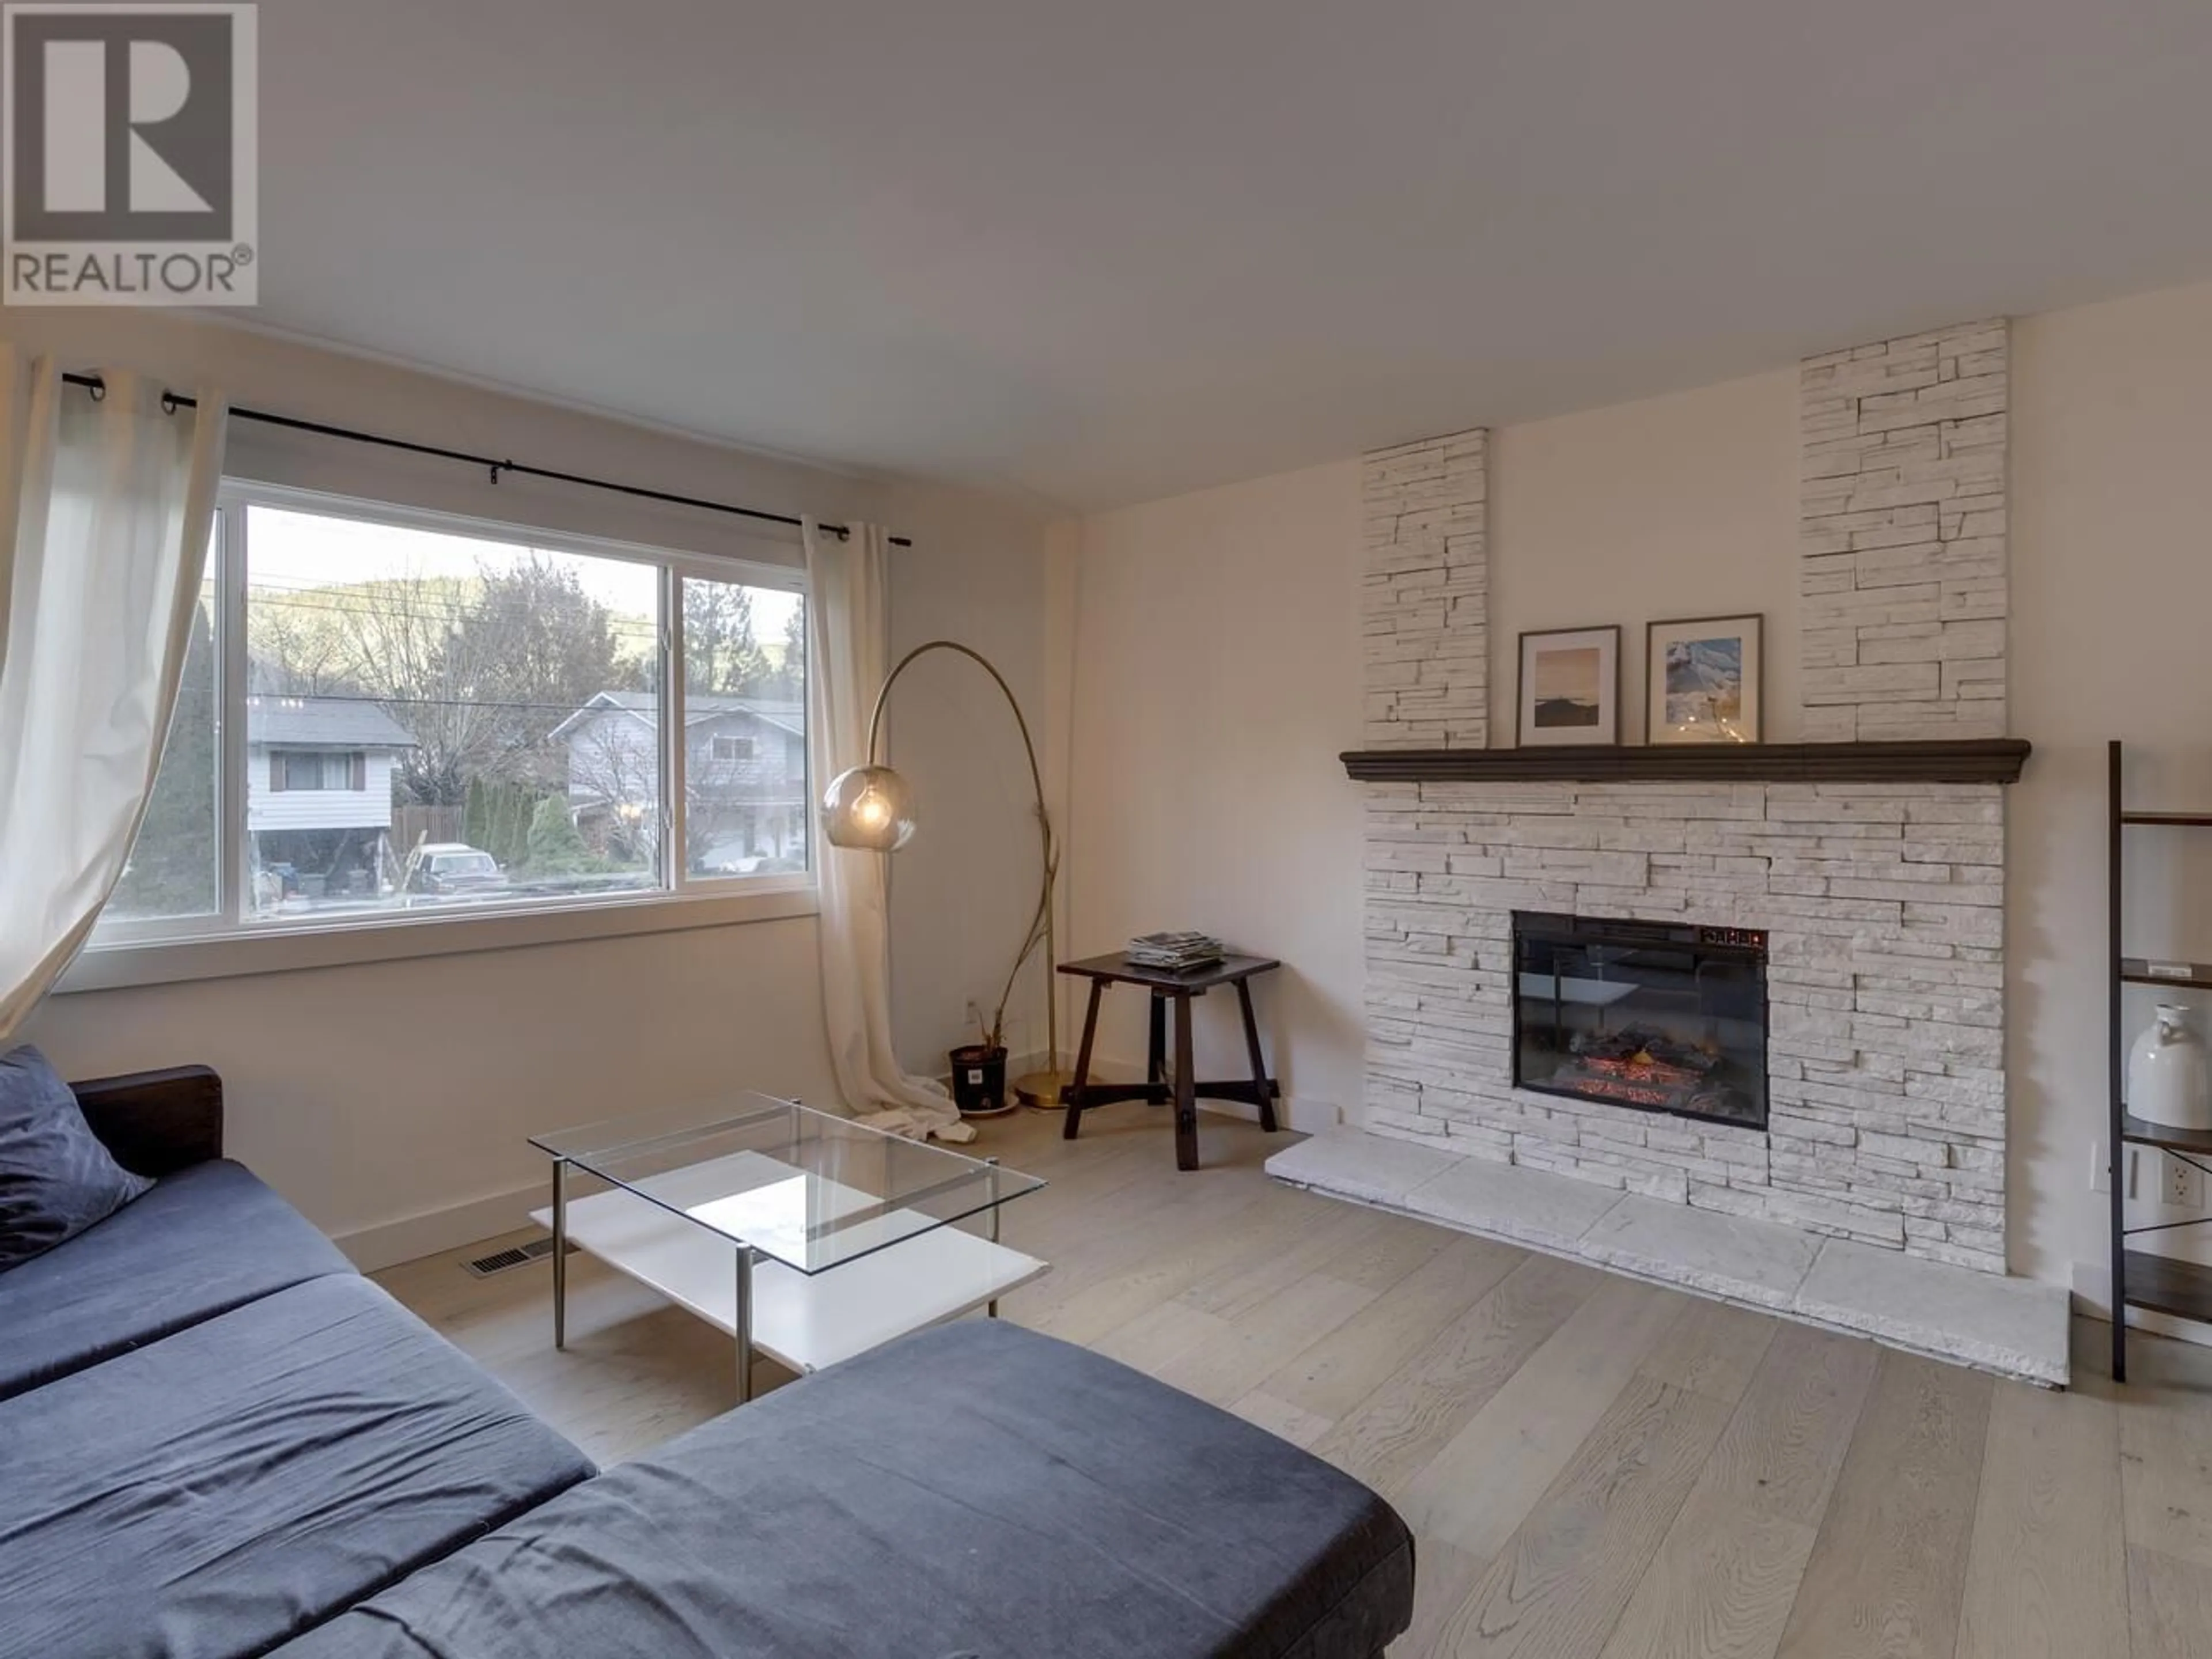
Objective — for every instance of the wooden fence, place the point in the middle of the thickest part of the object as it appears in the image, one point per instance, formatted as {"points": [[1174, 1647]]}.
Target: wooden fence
{"points": [[413, 823]]}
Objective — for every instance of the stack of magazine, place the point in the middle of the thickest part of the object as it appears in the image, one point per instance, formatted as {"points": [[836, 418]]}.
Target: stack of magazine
{"points": [[1178, 953]]}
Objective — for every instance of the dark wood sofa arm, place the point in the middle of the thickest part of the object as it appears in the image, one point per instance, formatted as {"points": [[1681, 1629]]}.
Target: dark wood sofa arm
{"points": [[156, 1123]]}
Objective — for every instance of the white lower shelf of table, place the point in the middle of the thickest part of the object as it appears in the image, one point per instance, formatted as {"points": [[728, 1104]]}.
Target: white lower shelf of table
{"points": [[801, 1322]]}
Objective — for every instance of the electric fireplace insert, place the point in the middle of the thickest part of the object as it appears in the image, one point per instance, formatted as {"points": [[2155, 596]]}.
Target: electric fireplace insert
{"points": [[1663, 1016]]}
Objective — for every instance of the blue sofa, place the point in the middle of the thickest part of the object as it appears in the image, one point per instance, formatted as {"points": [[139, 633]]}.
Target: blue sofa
{"points": [[217, 1439]]}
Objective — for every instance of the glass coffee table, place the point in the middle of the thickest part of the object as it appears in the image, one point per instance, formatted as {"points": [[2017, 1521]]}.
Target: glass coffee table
{"points": [[807, 1237]]}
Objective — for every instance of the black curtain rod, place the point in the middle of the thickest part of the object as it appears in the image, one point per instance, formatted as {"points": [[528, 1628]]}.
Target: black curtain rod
{"points": [[175, 400]]}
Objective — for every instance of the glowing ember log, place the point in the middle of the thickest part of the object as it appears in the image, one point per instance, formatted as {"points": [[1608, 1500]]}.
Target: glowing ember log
{"points": [[1643, 1068], [1631, 1094]]}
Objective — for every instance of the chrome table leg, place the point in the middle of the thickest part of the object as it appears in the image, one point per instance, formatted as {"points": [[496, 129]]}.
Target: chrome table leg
{"points": [[560, 1252], [744, 1322], [991, 1308]]}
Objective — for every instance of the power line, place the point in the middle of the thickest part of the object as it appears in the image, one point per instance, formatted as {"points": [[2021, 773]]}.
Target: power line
{"points": [[428, 607], [513, 705], [622, 630]]}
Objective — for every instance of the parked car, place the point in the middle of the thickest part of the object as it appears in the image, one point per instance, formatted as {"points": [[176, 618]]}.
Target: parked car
{"points": [[452, 869]]}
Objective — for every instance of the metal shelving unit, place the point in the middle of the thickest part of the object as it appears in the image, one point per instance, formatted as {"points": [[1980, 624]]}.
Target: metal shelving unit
{"points": [[2144, 1279]]}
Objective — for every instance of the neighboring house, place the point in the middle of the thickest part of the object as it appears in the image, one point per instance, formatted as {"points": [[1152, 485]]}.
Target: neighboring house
{"points": [[319, 790], [745, 763]]}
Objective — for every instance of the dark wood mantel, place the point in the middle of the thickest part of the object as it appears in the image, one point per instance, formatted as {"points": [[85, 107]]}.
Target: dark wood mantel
{"points": [[1976, 760]]}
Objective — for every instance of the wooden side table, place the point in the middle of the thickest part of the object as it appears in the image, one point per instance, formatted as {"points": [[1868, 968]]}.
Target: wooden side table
{"points": [[1259, 1089]]}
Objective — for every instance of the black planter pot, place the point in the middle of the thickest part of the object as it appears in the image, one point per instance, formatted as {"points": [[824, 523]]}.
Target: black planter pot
{"points": [[979, 1080]]}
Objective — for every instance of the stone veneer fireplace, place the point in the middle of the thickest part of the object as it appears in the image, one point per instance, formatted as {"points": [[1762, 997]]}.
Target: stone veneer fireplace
{"points": [[1882, 911], [1880, 904]]}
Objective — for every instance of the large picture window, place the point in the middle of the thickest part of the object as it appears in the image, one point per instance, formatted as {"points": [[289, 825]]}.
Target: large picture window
{"points": [[390, 715]]}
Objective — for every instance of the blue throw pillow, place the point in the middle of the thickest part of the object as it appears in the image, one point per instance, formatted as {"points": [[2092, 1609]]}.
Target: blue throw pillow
{"points": [[55, 1179]]}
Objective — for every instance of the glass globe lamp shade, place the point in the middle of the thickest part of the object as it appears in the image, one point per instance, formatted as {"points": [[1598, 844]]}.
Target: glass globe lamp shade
{"points": [[869, 807]]}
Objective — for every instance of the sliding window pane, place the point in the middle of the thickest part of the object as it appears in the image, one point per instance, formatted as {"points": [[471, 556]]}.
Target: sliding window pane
{"points": [[437, 721], [746, 796], [174, 873]]}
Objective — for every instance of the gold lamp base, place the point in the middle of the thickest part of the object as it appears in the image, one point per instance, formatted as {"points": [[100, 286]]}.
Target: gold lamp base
{"points": [[1041, 1089]]}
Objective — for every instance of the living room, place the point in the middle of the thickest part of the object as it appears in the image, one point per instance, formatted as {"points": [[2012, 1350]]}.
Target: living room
{"points": [[651, 755]]}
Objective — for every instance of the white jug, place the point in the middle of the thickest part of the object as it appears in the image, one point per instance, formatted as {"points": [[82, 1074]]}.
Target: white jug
{"points": [[2169, 1078]]}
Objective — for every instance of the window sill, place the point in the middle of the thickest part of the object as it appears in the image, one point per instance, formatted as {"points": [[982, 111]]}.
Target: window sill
{"points": [[282, 949]]}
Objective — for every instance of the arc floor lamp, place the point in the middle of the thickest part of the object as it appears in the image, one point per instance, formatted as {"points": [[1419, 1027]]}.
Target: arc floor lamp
{"points": [[870, 808]]}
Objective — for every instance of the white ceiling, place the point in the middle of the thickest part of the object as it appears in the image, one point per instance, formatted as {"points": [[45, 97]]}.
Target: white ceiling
{"points": [[1109, 252]]}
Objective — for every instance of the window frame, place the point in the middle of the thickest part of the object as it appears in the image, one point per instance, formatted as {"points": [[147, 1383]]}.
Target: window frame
{"points": [[230, 941]]}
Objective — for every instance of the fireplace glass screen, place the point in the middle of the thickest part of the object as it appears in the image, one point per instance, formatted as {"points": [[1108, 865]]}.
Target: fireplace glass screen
{"points": [[1660, 1016]]}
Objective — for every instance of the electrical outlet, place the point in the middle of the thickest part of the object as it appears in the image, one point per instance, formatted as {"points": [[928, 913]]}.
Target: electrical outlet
{"points": [[2184, 1185]]}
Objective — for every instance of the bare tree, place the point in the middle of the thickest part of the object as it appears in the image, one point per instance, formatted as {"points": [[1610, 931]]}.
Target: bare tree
{"points": [[434, 676], [478, 671], [614, 761], [295, 650]]}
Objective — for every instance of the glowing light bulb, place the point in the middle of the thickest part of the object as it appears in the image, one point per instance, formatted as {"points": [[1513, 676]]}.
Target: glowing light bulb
{"points": [[868, 807]]}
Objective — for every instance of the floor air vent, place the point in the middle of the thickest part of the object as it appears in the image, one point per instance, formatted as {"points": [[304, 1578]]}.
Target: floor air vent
{"points": [[516, 1255]]}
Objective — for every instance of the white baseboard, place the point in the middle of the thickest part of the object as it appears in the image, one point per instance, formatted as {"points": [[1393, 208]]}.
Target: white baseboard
{"points": [[434, 1231], [388, 1243]]}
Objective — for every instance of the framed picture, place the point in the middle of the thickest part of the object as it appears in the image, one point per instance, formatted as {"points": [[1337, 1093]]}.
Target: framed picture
{"points": [[1570, 688], [1705, 680]]}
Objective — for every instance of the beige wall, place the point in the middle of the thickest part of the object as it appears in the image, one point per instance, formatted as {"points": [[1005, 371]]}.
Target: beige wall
{"points": [[377, 1096], [2112, 592], [1679, 505], [964, 890], [391, 1101], [1216, 679]]}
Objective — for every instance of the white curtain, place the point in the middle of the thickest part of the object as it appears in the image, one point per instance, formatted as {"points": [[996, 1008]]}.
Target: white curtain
{"points": [[847, 656], [104, 509]]}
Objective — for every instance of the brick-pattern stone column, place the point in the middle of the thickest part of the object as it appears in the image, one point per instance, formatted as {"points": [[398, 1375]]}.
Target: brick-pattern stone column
{"points": [[1901, 527], [1426, 609]]}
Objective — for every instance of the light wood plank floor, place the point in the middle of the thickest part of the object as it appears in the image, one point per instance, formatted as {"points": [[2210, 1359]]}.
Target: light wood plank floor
{"points": [[1595, 1469]]}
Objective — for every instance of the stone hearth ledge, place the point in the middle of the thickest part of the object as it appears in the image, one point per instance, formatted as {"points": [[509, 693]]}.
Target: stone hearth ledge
{"points": [[2016, 1327]]}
